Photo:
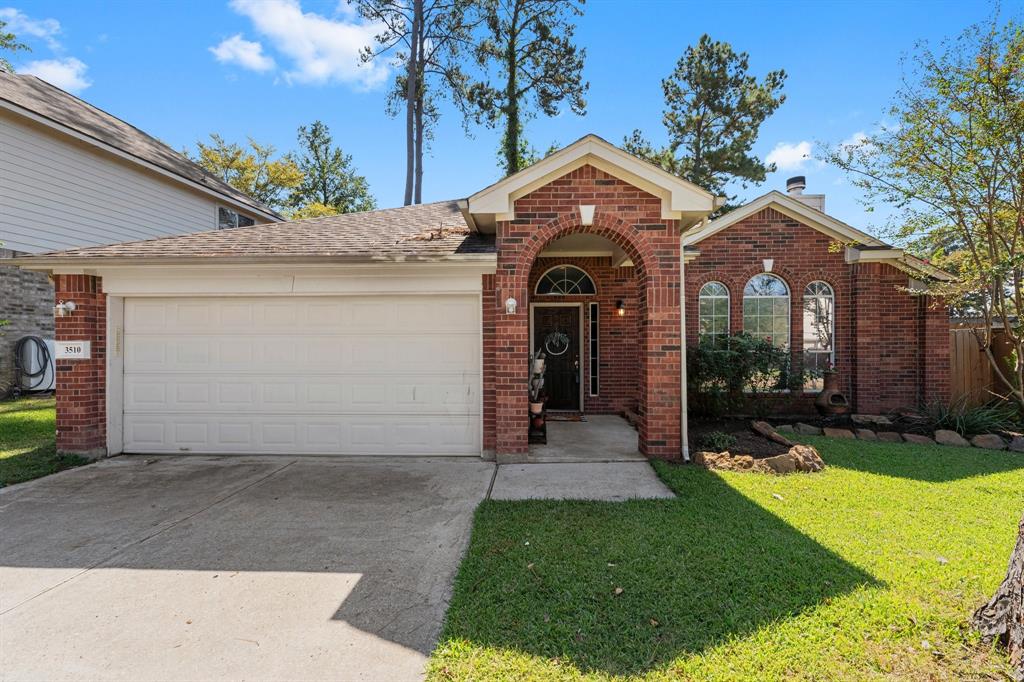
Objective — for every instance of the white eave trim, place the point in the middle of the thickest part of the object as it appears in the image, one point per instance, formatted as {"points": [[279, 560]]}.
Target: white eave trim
{"points": [[790, 207], [82, 137], [899, 260], [679, 198]]}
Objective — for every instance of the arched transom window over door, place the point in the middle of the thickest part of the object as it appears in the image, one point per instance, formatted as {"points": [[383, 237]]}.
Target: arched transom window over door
{"points": [[766, 309], [565, 280], [819, 332]]}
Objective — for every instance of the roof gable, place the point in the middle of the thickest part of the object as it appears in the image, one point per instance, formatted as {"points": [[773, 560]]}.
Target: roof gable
{"points": [[680, 200]]}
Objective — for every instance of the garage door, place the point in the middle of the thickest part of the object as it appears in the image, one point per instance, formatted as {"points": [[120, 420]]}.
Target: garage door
{"points": [[374, 375]]}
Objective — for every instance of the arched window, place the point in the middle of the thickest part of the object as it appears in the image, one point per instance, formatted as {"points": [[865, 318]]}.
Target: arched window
{"points": [[766, 309], [566, 280], [819, 332], [714, 312]]}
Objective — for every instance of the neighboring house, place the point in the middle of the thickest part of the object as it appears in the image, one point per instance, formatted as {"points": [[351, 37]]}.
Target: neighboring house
{"points": [[407, 331], [72, 175]]}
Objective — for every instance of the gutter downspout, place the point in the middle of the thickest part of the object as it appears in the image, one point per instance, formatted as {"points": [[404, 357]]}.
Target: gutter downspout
{"points": [[684, 430]]}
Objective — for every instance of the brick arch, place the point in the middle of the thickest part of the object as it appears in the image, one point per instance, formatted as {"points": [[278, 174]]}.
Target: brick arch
{"points": [[653, 246], [604, 225], [783, 273], [820, 276]]}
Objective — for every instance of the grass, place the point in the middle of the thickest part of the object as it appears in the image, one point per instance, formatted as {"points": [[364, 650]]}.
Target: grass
{"points": [[28, 443], [869, 570]]}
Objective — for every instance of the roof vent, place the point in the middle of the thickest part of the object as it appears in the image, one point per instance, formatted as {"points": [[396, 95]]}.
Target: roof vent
{"points": [[796, 185]]}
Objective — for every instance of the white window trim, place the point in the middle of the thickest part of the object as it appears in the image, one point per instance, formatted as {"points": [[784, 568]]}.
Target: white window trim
{"points": [[789, 307], [728, 307], [832, 351], [564, 265]]}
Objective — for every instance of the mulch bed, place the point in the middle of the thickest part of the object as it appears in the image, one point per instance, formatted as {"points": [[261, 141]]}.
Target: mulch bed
{"points": [[747, 442]]}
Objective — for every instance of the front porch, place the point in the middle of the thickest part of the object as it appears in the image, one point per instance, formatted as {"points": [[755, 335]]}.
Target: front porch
{"points": [[599, 438]]}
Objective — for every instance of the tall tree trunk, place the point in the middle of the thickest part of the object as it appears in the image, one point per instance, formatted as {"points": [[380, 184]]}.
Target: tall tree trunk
{"points": [[411, 87], [421, 93], [1002, 618], [512, 125]]}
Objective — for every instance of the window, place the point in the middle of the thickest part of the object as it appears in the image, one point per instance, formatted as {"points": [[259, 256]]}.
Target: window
{"points": [[594, 364], [819, 329], [766, 309], [227, 218], [713, 315], [565, 280]]}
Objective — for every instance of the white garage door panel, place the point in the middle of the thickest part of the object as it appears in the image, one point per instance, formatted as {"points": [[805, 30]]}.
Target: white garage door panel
{"points": [[385, 375]]}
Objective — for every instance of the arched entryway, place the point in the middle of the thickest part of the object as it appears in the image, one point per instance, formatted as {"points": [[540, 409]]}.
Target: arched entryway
{"points": [[649, 295]]}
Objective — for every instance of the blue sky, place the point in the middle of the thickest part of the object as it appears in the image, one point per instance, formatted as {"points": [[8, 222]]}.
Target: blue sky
{"points": [[261, 68]]}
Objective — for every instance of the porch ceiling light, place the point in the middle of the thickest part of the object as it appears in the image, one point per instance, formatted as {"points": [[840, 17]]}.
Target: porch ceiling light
{"points": [[768, 264], [620, 306], [510, 305]]}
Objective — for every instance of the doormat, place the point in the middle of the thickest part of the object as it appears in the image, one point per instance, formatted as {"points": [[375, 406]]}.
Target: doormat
{"points": [[565, 417]]}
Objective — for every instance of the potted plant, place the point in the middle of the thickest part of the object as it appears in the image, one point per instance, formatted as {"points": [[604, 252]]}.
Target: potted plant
{"points": [[536, 383]]}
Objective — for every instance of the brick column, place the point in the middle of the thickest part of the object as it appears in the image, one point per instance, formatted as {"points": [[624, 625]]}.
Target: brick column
{"points": [[81, 384], [935, 367], [866, 305]]}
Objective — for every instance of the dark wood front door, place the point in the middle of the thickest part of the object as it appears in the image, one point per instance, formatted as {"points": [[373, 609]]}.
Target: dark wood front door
{"points": [[556, 331]]}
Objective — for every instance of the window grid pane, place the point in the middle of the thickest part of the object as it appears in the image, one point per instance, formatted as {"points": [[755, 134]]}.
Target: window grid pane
{"points": [[713, 312], [819, 333]]}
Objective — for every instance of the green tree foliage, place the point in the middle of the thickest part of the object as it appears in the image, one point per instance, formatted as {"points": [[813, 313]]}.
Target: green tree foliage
{"points": [[329, 180], [251, 169], [953, 165], [8, 43], [528, 46], [713, 113]]}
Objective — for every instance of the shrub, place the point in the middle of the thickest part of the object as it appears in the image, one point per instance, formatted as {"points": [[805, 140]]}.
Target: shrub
{"points": [[966, 420], [717, 441], [722, 377]]}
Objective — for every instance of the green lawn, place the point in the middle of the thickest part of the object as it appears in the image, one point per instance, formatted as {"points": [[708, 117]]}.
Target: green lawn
{"points": [[28, 443], [868, 570]]}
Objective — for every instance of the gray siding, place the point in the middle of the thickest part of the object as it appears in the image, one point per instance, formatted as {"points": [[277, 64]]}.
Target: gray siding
{"points": [[58, 193]]}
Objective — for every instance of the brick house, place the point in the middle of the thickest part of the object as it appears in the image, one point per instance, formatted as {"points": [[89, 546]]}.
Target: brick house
{"points": [[407, 331]]}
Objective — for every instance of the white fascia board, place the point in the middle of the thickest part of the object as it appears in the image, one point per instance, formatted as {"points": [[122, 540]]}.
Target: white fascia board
{"points": [[789, 207], [81, 137], [854, 255], [679, 198]]}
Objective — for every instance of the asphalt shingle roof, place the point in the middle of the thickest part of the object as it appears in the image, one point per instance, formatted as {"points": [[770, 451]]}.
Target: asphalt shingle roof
{"points": [[424, 231], [50, 102]]}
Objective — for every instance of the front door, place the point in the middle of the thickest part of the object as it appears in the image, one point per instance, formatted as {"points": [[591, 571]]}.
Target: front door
{"points": [[556, 332]]}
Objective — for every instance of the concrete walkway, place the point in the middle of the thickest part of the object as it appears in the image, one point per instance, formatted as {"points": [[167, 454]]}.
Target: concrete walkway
{"points": [[231, 568], [610, 481], [601, 438]]}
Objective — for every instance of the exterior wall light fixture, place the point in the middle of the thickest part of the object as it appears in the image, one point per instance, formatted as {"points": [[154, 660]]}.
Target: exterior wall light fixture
{"points": [[510, 305], [64, 308], [620, 306]]}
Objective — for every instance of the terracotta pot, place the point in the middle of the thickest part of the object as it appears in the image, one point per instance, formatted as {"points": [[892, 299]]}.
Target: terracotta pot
{"points": [[536, 408], [831, 401]]}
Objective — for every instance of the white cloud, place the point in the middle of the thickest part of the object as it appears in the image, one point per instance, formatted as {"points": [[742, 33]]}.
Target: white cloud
{"points": [[855, 140], [246, 53], [67, 74], [22, 25], [320, 50], [790, 157]]}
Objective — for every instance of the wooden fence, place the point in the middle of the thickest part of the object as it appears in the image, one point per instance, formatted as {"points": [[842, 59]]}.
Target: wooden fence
{"points": [[972, 377]]}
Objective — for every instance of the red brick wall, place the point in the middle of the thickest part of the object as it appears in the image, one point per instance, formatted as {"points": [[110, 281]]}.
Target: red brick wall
{"points": [[618, 337], [891, 349], [631, 218], [81, 384]]}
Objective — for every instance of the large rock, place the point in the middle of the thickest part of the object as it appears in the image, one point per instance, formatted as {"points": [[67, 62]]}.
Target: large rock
{"points": [[870, 420], [866, 434], [1017, 444], [807, 429], [947, 437], [768, 431], [807, 458], [780, 464], [889, 437], [788, 428], [988, 441], [918, 439], [838, 433]]}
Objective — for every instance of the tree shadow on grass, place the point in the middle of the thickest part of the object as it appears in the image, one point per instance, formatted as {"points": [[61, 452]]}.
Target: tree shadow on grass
{"points": [[541, 577], [931, 463]]}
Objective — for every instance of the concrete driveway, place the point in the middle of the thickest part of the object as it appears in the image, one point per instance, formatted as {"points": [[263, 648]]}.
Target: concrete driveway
{"points": [[243, 568]]}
